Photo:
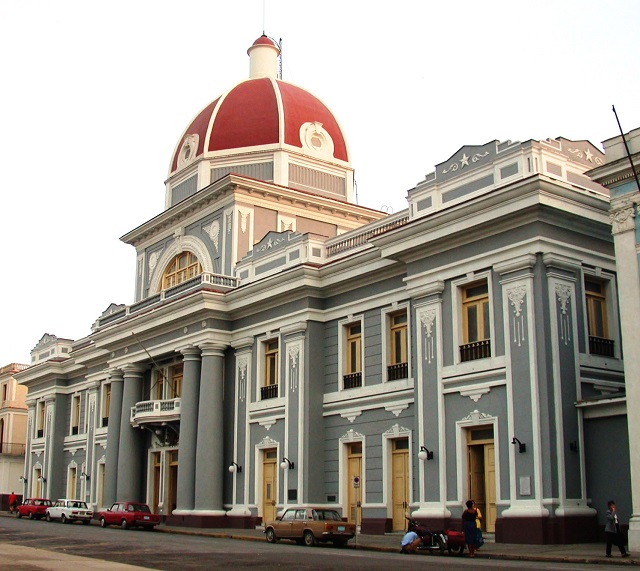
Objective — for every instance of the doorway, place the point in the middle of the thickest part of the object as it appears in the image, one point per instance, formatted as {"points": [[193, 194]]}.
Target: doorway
{"points": [[156, 462], [173, 482], [400, 482], [269, 484], [354, 468], [481, 462]]}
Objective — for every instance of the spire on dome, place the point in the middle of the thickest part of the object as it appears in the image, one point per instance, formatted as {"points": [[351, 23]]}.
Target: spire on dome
{"points": [[263, 56]]}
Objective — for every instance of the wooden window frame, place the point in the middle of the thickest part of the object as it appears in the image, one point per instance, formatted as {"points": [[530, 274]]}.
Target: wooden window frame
{"points": [[181, 268], [481, 303]]}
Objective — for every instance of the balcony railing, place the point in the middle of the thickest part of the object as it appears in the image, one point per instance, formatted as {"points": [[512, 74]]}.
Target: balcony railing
{"points": [[203, 281], [352, 380], [152, 411], [397, 371], [269, 392], [354, 239], [12, 448], [601, 346], [475, 350]]}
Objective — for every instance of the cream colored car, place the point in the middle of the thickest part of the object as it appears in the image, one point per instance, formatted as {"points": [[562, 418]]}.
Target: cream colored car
{"points": [[308, 526], [68, 511]]}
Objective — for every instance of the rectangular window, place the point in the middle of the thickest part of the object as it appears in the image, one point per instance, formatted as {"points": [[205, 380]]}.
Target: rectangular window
{"points": [[599, 341], [353, 350], [106, 403], [270, 384], [75, 414], [397, 366], [175, 388], [475, 322], [4, 392], [157, 391], [40, 420]]}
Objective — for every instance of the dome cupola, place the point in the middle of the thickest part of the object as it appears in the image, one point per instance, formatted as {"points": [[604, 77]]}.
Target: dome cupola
{"points": [[263, 128]]}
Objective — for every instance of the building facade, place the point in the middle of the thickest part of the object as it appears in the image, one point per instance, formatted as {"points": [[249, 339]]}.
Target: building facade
{"points": [[288, 346], [13, 430], [620, 175]]}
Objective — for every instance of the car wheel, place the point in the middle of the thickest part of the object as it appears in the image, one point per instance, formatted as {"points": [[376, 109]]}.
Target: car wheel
{"points": [[63, 519], [457, 550], [103, 522], [271, 536], [308, 538], [30, 515], [48, 517], [124, 524], [18, 515]]}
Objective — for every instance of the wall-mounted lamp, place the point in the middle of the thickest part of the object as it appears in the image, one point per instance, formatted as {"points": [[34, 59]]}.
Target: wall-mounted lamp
{"points": [[425, 454], [573, 446], [85, 476], [42, 479], [235, 468], [286, 464], [23, 479], [521, 447]]}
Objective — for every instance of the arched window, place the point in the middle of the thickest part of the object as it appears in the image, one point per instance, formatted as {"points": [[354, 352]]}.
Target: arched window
{"points": [[182, 268]]}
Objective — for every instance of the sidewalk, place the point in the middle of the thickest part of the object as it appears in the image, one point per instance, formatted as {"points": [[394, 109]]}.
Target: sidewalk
{"points": [[576, 553]]}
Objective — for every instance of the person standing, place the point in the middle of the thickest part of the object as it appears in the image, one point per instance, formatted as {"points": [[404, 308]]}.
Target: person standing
{"points": [[612, 530], [479, 539], [470, 528], [12, 502]]}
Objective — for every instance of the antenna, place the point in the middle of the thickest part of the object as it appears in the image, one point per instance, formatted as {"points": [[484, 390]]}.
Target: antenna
{"points": [[264, 11], [280, 59], [158, 368], [624, 140]]}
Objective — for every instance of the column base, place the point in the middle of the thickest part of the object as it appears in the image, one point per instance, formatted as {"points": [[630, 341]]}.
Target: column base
{"points": [[201, 520], [634, 534], [540, 530]]}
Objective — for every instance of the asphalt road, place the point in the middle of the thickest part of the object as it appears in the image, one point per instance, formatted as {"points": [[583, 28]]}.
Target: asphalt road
{"points": [[177, 552]]}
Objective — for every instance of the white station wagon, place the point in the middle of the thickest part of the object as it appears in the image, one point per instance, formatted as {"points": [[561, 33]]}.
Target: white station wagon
{"points": [[67, 511]]}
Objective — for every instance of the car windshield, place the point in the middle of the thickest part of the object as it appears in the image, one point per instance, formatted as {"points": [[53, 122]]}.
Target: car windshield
{"points": [[330, 515]]}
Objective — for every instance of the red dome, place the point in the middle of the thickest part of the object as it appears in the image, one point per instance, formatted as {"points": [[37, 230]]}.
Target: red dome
{"points": [[262, 111]]}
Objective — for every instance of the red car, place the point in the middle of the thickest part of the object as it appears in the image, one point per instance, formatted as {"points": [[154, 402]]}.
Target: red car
{"points": [[34, 508], [129, 514]]}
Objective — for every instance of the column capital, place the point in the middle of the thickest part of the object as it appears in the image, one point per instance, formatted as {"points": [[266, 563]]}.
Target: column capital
{"points": [[190, 353], [133, 370], [212, 349], [622, 218], [115, 375]]}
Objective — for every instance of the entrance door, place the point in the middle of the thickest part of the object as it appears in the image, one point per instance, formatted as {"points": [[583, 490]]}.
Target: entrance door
{"points": [[400, 482], [155, 457], [269, 484], [354, 468], [482, 473], [173, 482]]}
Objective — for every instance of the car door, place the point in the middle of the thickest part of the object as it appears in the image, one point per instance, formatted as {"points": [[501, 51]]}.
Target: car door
{"points": [[284, 527], [299, 524], [112, 515]]}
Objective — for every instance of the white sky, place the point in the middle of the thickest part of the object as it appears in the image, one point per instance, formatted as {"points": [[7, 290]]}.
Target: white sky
{"points": [[95, 95]]}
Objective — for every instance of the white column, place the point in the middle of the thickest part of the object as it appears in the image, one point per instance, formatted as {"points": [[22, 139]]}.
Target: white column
{"points": [[629, 290]]}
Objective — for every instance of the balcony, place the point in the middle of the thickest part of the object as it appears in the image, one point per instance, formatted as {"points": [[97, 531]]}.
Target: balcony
{"points": [[352, 380], [269, 392], [601, 346], [12, 448], [397, 371], [475, 350], [155, 412]]}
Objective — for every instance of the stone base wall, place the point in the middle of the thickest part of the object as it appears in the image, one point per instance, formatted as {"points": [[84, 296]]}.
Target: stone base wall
{"points": [[547, 530]]}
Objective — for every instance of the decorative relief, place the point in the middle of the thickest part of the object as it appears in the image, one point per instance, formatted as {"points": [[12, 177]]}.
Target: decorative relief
{"points": [[294, 354], [267, 422], [267, 442], [475, 394], [587, 155], [229, 220], [396, 430], [516, 296], [427, 318], [242, 378], [351, 415], [188, 150], [270, 243], [153, 261], [396, 408], [243, 220], [464, 162], [622, 219], [476, 417], [213, 231], [563, 293], [351, 436]]}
